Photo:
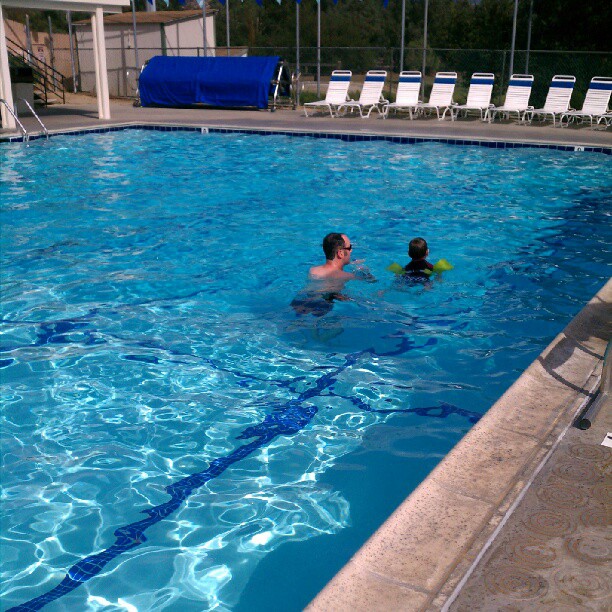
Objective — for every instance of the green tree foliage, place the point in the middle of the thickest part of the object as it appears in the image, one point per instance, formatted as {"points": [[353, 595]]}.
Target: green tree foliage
{"points": [[476, 24], [465, 24]]}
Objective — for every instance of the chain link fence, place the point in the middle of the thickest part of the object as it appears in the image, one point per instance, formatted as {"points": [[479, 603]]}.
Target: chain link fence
{"points": [[123, 71]]}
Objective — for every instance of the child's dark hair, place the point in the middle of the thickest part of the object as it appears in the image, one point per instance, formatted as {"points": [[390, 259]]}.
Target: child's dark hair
{"points": [[417, 249]]}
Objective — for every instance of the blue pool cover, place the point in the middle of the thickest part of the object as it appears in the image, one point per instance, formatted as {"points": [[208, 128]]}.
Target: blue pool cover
{"points": [[215, 81]]}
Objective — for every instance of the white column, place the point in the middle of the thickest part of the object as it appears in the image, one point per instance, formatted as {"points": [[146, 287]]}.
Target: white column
{"points": [[94, 32], [102, 72], [5, 79], [103, 67]]}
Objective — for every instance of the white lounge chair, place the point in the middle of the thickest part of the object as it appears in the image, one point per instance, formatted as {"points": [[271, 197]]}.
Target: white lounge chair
{"points": [[606, 119], [517, 98], [479, 95], [557, 100], [337, 92], [441, 96], [407, 96], [595, 103], [370, 98]]}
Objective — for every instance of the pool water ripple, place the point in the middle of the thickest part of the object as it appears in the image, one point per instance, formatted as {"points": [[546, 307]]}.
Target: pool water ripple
{"points": [[158, 387]]}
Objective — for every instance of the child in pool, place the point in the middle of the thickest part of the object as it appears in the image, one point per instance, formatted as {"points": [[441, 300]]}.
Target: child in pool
{"points": [[418, 251]]}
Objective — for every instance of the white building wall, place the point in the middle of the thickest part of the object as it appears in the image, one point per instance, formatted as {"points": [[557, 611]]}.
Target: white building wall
{"points": [[182, 38]]}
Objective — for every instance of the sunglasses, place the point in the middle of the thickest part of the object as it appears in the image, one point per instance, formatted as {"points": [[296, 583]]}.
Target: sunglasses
{"points": [[348, 248]]}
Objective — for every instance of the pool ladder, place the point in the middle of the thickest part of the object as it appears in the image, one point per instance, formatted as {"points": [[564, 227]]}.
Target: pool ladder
{"points": [[26, 136]]}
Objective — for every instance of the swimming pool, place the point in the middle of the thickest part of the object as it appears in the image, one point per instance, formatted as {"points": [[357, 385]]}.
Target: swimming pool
{"points": [[156, 379]]}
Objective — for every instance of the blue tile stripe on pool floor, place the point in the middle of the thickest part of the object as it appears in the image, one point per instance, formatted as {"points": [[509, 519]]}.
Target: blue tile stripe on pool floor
{"points": [[285, 419]]}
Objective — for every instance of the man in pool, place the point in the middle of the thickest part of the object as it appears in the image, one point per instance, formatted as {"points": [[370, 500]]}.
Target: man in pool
{"points": [[328, 279], [337, 249]]}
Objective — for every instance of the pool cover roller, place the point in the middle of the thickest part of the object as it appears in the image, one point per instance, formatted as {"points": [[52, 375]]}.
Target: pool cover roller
{"points": [[214, 81]]}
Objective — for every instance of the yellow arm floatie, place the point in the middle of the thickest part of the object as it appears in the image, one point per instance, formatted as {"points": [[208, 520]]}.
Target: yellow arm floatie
{"points": [[396, 269], [443, 265]]}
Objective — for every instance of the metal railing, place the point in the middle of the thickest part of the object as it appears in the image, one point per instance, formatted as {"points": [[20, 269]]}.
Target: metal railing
{"points": [[542, 64], [46, 79], [26, 136], [42, 125]]}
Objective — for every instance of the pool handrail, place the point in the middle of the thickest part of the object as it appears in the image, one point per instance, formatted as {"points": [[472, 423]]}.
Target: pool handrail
{"points": [[26, 136], [42, 125]]}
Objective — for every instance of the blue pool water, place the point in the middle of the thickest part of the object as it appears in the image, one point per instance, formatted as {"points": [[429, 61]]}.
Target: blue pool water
{"points": [[174, 437]]}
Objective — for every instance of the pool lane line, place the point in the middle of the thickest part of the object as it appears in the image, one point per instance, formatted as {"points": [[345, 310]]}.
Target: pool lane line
{"points": [[286, 419]]}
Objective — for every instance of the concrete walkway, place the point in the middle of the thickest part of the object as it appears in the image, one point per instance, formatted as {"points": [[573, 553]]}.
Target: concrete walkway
{"points": [[480, 500], [514, 518], [81, 112], [555, 551]]}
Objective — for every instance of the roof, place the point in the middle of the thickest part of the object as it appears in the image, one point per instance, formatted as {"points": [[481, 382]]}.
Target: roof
{"points": [[154, 17], [68, 5]]}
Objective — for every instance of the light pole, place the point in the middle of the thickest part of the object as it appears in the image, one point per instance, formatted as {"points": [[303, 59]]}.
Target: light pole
{"points": [[401, 66], [297, 52], [513, 37], [227, 32], [528, 37], [204, 41], [135, 36], [319, 49], [424, 45]]}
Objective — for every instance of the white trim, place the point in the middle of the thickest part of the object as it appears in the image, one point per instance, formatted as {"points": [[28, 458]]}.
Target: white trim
{"points": [[108, 6], [101, 44], [97, 8], [96, 52]]}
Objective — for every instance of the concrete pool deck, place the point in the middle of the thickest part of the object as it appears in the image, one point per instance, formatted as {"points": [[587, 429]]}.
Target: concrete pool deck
{"points": [[81, 113], [514, 517]]}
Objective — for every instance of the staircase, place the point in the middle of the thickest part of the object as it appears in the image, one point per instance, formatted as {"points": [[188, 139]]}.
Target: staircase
{"points": [[48, 82]]}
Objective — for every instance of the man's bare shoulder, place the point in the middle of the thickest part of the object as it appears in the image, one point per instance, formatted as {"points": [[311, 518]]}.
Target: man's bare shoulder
{"points": [[318, 272], [324, 272]]}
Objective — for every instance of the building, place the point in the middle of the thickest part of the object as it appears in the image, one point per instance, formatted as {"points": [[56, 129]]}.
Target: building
{"points": [[44, 45], [96, 8], [158, 33]]}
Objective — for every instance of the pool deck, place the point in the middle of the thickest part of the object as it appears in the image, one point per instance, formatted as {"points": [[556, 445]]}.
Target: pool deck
{"points": [[81, 113], [515, 517]]}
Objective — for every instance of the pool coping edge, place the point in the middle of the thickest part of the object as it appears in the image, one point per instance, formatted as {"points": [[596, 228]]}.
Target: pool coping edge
{"points": [[417, 559], [345, 135]]}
